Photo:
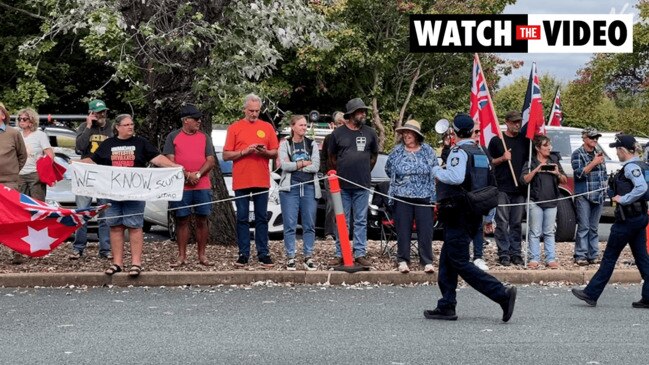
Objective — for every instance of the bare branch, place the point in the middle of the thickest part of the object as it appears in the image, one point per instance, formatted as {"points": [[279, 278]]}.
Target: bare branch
{"points": [[22, 11]]}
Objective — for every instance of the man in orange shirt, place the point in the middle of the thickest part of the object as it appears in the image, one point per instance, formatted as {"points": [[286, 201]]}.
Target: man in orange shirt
{"points": [[250, 143]]}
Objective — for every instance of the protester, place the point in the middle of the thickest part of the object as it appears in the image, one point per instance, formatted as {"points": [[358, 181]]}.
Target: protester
{"points": [[330, 229], [13, 157], [353, 151], [589, 169], [126, 149], [629, 192], [460, 224], [193, 150], [299, 190], [509, 217], [250, 143], [90, 136], [38, 145], [543, 174], [410, 168]]}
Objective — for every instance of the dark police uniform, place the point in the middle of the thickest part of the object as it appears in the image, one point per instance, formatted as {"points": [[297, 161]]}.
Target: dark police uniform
{"points": [[629, 227], [467, 167]]}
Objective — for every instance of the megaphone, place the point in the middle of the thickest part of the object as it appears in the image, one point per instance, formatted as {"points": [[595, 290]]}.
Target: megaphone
{"points": [[442, 126]]}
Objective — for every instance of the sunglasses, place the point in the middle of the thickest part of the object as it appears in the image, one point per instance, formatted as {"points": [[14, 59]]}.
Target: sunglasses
{"points": [[24, 119]]}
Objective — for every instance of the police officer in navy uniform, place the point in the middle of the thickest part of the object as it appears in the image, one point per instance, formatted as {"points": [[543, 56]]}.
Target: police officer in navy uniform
{"points": [[629, 191], [467, 169]]}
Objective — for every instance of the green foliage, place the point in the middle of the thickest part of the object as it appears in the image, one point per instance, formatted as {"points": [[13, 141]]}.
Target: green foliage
{"points": [[512, 96]]}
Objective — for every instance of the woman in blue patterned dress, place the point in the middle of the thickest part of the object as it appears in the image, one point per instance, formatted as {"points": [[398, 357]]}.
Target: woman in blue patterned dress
{"points": [[410, 168]]}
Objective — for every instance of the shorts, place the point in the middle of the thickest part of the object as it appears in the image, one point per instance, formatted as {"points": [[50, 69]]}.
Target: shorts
{"points": [[192, 197], [132, 209]]}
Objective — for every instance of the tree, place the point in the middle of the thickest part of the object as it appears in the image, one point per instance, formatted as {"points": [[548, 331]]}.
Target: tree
{"points": [[170, 52], [511, 97]]}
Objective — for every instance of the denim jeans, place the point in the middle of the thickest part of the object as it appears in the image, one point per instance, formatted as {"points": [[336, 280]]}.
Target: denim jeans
{"points": [[301, 198], [631, 231], [356, 203], [508, 224], [103, 233], [542, 222], [587, 239], [260, 202], [454, 262], [478, 242]]}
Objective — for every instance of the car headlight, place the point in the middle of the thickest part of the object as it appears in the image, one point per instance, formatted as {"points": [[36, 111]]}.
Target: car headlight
{"points": [[52, 203]]}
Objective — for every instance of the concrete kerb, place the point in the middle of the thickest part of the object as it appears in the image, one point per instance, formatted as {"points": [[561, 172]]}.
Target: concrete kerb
{"points": [[174, 278]]}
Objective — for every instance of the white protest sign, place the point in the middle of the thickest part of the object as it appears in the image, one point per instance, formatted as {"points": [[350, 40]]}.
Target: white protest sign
{"points": [[127, 183]]}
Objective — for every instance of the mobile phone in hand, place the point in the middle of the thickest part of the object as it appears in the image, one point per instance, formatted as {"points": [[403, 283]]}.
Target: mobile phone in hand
{"points": [[547, 167]]}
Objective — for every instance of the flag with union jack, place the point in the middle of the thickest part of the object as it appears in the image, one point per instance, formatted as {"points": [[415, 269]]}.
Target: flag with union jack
{"points": [[33, 228], [533, 106], [482, 110], [556, 114]]}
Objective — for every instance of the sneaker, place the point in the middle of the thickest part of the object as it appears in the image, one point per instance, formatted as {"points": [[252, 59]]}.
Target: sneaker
{"points": [[508, 304], [75, 255], [553, 265], [505, 261], [266, 262], [517, 260], [429, 269], [579, 293], [443, 314], [241, 261], [403, 267], [593, 261], [533, 265], [480, 264], [581, 262], [309, 265], [290, 265], [640, 304], [330, 237], [363, 261], [107, 256], [336, 261]]}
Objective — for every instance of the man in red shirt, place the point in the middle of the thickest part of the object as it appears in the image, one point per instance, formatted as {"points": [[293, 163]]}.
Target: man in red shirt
{"points": [[250, 143], [193, 149]]}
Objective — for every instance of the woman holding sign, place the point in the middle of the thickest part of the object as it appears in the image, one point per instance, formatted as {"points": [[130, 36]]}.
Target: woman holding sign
{"points": [[127, 150]]}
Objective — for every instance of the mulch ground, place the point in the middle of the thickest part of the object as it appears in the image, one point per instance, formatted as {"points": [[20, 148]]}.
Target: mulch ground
{"points": [[158, 255]]}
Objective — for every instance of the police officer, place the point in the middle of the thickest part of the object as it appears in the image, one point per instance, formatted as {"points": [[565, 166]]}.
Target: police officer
{"points": [[467, 169], [631, 194]]}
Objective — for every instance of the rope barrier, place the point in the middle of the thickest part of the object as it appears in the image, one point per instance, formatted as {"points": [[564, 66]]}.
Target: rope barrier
{"points": [[359, 186]]}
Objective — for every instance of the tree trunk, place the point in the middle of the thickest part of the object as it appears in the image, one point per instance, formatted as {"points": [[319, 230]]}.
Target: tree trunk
{"points": [[377, 123], [170, 88]]}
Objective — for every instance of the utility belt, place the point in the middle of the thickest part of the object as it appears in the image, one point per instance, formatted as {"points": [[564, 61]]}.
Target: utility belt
{"points": [[635, 209]]}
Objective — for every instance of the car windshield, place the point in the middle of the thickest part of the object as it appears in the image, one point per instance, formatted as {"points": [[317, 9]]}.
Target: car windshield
{"points": [[226, 166], [378, 172]]}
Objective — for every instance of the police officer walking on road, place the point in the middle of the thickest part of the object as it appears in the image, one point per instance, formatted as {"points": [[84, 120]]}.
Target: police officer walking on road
{"points": [[467, 169], [630, 192]]}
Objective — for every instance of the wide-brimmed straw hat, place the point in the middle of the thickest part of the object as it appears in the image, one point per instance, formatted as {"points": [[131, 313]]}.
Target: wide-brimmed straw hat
{"points": [[411, 125]]}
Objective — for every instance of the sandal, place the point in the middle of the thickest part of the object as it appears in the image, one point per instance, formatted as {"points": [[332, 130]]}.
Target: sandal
{"points": [[113, 269], [134, 271]]}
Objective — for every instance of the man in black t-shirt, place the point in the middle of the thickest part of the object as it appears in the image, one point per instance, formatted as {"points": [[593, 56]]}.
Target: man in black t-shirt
{"points": [[353, 149], [508, 219]]}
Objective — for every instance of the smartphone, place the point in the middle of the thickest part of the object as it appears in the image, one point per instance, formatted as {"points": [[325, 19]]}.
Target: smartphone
{"points": [[547, 167], [260, 146]]}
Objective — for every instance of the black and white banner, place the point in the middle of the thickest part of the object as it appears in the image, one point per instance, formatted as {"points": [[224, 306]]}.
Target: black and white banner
{"points": [[522, 33]]}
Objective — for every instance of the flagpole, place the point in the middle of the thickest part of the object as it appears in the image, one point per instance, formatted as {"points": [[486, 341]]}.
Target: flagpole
{"points": [[500, 133], [554, 101], [527, 205]]}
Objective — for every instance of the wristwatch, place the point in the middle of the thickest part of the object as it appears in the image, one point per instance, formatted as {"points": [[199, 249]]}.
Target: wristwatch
{"points": [[198, 174]]}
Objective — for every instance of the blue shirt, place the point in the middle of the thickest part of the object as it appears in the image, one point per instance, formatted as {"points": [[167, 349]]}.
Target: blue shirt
{"points": [[411, 173], [455, 165], [634, 173], [594, 180]]}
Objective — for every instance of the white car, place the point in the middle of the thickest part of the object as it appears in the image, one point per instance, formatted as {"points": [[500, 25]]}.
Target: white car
{"points": [[609, 137], [156, 212]]}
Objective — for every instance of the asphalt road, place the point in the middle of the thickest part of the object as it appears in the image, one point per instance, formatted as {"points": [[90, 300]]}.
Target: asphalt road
{"points": [[315, 325]]}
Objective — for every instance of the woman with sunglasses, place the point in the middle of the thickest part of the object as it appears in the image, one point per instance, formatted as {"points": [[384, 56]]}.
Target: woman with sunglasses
{"points": [[38, 145], [544, 174]]}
